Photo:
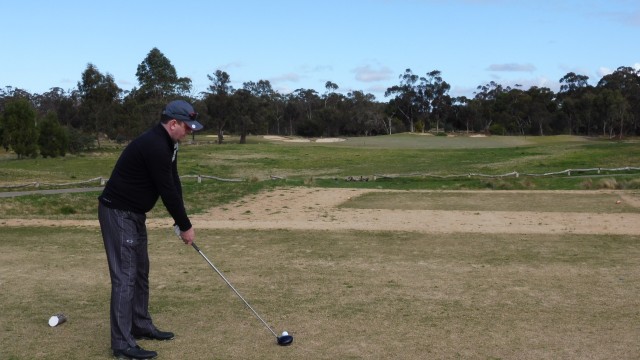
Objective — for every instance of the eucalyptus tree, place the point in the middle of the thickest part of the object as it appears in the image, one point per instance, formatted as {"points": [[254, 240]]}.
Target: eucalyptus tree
{"points": [[291, 114], [12, 93], [573, 82], [511, 112], [158, 78], [307, 101], [65, 104], [332, 116], [48, 101], [571, 97], [261, 89], [586, 111], [434, 95], [328, 121], [463, 113], [278, 103], [626, 80], [519, 107], [220, 83], [330, 92], [405, 103], [267, 110], [542, 108], [218, 101], [158, 82], [245, 107], [99, 107], [486, 97], [364, 115], [613, 110]]}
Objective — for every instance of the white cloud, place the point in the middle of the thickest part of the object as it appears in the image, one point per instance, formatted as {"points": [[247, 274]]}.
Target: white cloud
{"points": [[377, 90], [520, 83], [125, 83], [234, 64], [283, 90], [512, 67], [290, 77], [631, 18], [603, 71], [316, 68], [541, 82], [576, 70], [462, 91], [367, 74], [634, 19]]}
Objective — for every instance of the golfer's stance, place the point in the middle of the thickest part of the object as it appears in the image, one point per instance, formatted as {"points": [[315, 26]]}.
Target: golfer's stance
{"points": [[147, 169]]}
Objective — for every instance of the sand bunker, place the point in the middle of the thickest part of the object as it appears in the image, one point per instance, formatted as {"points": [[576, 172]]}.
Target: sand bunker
{"points": [[301, 140]]}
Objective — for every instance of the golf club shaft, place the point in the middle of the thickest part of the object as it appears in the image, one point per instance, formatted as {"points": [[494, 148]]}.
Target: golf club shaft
{"points": [[232, 288]]}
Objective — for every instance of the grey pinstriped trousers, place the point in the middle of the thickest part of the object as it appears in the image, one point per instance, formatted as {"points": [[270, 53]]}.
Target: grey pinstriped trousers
{"points": [[125, 240]]}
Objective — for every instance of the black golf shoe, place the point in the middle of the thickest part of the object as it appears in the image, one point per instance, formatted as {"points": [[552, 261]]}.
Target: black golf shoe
{"points": [[155, 335], [134, 353]]}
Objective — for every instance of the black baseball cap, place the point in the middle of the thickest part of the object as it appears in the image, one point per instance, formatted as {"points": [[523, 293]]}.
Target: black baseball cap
{"points": [[182, 111]]}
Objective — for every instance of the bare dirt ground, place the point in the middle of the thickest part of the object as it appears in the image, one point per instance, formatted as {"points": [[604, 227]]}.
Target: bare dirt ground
{"points": [[319, 209]]}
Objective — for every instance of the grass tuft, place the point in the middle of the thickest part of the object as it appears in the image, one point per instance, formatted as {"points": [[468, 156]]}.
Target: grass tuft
{"points": [[67, 210]]}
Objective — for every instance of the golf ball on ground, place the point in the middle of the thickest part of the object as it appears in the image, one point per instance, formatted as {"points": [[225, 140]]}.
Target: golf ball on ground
{"points": [[284, 333]]}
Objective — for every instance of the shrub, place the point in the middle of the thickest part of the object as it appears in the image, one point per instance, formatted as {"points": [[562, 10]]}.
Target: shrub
{"points": [[78, 141], [53, 139]]}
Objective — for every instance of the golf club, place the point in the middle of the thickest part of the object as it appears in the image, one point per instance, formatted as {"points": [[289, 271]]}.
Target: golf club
{"points": [[285, 339]]}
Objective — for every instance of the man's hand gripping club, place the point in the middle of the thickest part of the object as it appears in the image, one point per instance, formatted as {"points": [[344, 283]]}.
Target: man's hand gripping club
{"points": [[187, 236]]}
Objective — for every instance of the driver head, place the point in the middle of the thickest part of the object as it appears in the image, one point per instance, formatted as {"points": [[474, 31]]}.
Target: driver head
{"points": [[285, 340]]}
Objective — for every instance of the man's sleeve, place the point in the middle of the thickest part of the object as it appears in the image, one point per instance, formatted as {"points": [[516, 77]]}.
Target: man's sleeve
{"points": [[165, 175]]}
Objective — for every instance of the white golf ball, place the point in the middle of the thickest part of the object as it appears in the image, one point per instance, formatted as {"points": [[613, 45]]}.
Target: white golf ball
{"points": [[284, 333]]}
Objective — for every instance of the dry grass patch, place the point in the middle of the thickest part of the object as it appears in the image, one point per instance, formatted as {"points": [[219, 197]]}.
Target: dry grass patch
{"points": [[341, 294], [542, 201]]}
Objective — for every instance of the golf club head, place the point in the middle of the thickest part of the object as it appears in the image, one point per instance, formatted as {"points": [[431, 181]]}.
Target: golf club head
{"points": [[285, 340]]}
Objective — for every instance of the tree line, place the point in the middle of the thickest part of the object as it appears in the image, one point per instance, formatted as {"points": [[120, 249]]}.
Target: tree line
{"points": [[59, 121]]}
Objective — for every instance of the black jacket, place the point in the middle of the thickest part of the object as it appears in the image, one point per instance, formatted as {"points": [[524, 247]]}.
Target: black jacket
{"points": [[147, 169]]}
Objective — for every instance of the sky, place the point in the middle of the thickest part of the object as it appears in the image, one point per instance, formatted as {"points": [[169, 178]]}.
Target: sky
{"points": [[359, 45]]}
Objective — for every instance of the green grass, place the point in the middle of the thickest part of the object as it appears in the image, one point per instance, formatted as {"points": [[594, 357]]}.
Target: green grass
{"points": [[71, 168], [329, 164], [340, 159], [396, 154]]}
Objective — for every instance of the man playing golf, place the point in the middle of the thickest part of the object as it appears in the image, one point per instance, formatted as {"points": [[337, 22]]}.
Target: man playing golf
{"points": [[146, 170]]}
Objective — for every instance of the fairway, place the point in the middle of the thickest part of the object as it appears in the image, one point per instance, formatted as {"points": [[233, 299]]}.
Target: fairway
{"points": [[429, 141], [487, 280]]}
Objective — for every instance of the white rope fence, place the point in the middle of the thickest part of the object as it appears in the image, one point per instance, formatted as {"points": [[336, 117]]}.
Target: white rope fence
{"points": [[200, 177], [102, 181], [37, 184], [568, 172]]}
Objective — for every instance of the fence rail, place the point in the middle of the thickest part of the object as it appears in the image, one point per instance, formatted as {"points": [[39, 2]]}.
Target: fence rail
{"points": [[101, 181], [568, 172], [516, 174]]}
